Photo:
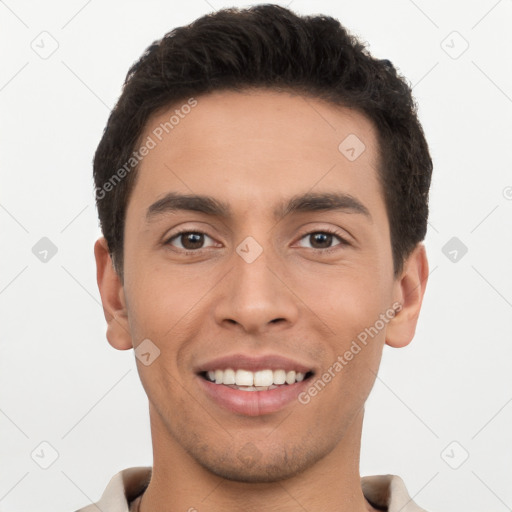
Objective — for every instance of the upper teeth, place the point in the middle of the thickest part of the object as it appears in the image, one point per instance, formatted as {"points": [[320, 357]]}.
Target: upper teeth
{"points": [[259, 378]]}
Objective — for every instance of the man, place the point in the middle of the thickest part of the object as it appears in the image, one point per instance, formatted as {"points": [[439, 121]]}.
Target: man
{"points": [[262, 186]]}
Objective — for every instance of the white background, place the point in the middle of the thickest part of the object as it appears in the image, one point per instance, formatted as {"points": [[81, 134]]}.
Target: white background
{"points": [[61, 382]]}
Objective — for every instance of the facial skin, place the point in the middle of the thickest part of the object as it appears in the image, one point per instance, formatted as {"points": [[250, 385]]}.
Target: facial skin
{"points": [[254, 151]]}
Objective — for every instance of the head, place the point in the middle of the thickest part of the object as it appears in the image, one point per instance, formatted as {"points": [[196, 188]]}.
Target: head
{"points": [[317, 174]]}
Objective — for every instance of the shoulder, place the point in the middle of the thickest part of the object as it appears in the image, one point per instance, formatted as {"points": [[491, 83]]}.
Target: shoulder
{"points": [[122, 488], [388, 491]]}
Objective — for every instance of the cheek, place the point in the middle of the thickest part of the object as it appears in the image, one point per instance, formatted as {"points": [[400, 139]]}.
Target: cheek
{"points": [[351, 304], [159, 300], [348, 300]]}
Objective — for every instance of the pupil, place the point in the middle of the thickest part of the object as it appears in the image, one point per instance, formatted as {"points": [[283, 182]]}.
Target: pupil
{"points": [[322, 238], [192, 240]]}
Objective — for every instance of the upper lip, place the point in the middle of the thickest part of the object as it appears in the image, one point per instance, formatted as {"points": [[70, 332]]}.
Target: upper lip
{"points": [[253, 363]]}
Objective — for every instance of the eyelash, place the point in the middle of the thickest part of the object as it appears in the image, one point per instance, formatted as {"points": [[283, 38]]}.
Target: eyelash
{"points": [[337, 234]]}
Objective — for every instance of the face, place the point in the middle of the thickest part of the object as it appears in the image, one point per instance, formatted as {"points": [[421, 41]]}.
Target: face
{"points": [[265, 275]]}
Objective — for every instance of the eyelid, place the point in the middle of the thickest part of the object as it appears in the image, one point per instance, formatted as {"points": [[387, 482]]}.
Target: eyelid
{"points": [[169, 239], [315, 227], [204, 228], [343, 239]]}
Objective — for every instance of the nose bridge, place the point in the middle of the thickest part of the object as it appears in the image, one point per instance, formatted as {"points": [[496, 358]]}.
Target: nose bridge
{"points": [[254, 293]]}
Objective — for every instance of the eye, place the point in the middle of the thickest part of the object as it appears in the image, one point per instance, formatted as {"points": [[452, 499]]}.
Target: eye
{"points": [[189, 240], [194, 241], [322, 239]]}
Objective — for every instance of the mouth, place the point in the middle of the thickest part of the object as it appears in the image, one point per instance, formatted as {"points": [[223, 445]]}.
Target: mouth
{"points": [[252, 386], [261, 380]]}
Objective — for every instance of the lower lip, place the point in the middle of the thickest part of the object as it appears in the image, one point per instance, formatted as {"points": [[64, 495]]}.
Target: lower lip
{"points": [[253, 403]]}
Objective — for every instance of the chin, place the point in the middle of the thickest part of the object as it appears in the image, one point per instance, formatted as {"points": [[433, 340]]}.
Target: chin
{"points": [[259, 474], [250, 466]]}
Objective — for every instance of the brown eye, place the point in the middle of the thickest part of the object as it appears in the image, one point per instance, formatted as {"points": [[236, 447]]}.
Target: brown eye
{"points": [[322, 240], [192, 240], [189, 240]]}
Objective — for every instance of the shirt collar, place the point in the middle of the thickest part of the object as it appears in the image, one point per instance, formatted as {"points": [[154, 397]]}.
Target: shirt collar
{"points": [[380, 490]]}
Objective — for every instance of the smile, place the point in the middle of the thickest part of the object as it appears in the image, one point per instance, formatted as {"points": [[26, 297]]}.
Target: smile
{"points": [[253, 385], [262, 380]]}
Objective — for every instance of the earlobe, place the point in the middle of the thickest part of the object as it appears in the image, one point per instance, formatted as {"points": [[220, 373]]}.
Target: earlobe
{"points": [[409, 292], [112, 298]]}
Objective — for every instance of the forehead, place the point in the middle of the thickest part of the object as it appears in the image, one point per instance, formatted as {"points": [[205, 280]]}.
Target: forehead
{"points": [[224, 116], [254, 145]]}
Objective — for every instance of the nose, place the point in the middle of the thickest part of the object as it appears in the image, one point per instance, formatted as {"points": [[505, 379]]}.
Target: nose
{"points": [[256, 296]]}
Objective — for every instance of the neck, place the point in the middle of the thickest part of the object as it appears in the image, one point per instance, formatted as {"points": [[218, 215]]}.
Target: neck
{"points": [[180, 483]]}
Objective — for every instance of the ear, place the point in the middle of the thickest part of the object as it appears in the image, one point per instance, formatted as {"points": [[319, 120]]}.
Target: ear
{"points": [[112, 298], [409, 291]]}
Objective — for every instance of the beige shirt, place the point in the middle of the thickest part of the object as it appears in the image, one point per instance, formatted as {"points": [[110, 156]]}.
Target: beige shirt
{"points": [[386, 491]]}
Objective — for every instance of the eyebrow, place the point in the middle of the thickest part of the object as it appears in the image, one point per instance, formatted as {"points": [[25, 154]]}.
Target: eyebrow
{"points": [[309, 202]]}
